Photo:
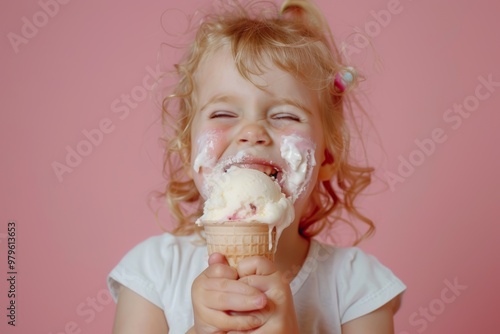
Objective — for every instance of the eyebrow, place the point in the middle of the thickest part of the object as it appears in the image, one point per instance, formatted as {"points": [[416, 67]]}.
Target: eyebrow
{"points": [[226, 98], [296, 104], [217, 99]]}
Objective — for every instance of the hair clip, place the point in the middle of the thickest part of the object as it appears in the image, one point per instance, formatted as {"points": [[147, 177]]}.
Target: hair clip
{"points": [[342, 80]]}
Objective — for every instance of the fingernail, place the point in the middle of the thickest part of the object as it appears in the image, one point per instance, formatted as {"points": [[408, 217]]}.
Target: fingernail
{"points": [[260, 301], [256, 321]]}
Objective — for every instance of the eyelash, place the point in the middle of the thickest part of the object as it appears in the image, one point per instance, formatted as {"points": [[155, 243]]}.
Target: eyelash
{"points": [[218, 114], [280, 116], [290, 117]]}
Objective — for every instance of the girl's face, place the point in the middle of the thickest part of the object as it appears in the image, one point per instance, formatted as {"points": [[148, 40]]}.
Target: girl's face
{"points": [[275, 128]]}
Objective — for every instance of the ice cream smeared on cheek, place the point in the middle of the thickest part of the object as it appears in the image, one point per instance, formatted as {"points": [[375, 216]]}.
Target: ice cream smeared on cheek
{"points": [[298, 152], [205, 156]]}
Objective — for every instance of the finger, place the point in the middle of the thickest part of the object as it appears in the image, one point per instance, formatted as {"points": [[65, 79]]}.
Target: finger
{"points": [[217, 258], [274, 288], [227, 301], [221, 270], [244, 322], [263, 315], [229, 286], [255, 265], [240, 332]]}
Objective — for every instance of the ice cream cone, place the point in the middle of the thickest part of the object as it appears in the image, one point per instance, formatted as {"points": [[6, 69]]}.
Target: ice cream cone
{"points": [[238, 240]]}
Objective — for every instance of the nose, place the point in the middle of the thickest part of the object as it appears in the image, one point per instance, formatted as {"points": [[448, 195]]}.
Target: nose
{"points": [[254, 134]]}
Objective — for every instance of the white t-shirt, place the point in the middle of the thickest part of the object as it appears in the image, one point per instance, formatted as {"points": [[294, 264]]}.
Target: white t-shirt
{"points": [[333, 286]]}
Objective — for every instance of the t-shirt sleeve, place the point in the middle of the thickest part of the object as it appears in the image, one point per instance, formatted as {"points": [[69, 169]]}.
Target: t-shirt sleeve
{"points": [[365, 285], [138, 270]]}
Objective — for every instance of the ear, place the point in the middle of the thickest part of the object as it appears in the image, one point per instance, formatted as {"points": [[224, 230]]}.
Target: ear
{"points": [[327, 167], [326, 172]]}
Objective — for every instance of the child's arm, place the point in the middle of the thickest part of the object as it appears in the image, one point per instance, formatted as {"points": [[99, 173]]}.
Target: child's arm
{"points": [[379, 321], [134, 314]]}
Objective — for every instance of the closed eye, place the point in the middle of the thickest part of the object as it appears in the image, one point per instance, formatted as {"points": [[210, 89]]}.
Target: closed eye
{"points": [[287, 117], [222, 114]]}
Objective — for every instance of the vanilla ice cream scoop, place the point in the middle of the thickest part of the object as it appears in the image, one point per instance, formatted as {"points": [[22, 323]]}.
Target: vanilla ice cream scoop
{"points": [[247, 195]]}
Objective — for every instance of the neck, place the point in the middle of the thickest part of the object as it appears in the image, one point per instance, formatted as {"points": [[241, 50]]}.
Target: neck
{"points": [[291, 253]]}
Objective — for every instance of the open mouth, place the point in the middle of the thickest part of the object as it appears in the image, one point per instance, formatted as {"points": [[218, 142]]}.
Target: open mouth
{"points": [[272, 171], [273, 174]]}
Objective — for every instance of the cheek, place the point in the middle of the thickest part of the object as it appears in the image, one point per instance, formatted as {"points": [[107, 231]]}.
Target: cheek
{"points": [[299, 153], [206, 150], [309, 141], [301, 145]]}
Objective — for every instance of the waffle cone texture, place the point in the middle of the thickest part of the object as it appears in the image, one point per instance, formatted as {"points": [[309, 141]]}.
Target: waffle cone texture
{"points": [[238, 240]]}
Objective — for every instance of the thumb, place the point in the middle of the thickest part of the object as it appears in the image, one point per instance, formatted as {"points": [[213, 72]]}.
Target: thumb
{"points": [[215, 258]]}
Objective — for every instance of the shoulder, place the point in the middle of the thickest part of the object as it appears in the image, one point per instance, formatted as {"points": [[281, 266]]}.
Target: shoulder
{"points": [[156, 262], [362, 282], [344, 258], [347, 261], [162, 250]]}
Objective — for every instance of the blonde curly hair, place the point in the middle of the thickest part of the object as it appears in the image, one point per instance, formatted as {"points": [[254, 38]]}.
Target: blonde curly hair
{"points": [[297, 40]]}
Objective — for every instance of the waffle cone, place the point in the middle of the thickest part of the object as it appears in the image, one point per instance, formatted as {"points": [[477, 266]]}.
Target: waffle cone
{"points": [[238, 240]]}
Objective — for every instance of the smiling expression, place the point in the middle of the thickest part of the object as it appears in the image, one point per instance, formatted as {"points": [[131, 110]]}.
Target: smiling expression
{"points": [[274, 128]]}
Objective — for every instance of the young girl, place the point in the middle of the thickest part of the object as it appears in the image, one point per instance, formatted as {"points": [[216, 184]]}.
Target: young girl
{"points": [[251, 80]]}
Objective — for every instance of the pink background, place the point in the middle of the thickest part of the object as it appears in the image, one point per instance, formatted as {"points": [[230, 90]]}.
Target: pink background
{"points": [[438, 227]]}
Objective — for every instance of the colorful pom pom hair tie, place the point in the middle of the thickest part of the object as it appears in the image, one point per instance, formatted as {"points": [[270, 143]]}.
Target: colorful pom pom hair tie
{"points": [[343, 79]]}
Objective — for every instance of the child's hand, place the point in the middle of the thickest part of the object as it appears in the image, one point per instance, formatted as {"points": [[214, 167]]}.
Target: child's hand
{"points": [[279, 313], [221, 303]]}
